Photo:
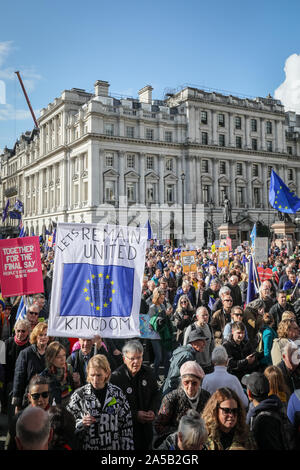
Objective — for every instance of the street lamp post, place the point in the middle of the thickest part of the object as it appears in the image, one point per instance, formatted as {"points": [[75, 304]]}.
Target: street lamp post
{"points": [[182, 209]]}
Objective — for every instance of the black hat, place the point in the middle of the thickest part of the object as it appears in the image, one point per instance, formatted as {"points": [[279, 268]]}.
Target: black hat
{"points": [[257, 383], [195, 335]]}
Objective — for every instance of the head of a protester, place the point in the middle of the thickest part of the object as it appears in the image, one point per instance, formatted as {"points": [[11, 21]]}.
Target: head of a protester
{"points": [[219, 356], [287, 315], [163, 283], [288, 329], [258, 387], [281, 298], [256, 307], [38, 391], [202, 316], [39, 336], [292, 278], [33, 429], [264, 291], [158, 296], [237, 313], [184, 303], [215, 285], [291, 356], [224, 413], [277, 383], [268, 319], [39, 300], [22, 331], [98, 371], [197, 340], [32, 315], [63, 425], [225, 290], [133, 352], [238, 331], [55, 356], [191, 375], [233, 280], [151, 285], [86, 345], [192, 432], [227, 303], [185, 286]]}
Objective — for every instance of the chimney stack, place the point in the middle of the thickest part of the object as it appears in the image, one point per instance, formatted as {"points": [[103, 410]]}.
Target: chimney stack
{"points": [[101, 88], [145, 94]]}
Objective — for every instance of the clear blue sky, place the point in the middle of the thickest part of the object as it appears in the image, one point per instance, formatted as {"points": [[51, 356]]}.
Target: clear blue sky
{"points": [[228, 45]]}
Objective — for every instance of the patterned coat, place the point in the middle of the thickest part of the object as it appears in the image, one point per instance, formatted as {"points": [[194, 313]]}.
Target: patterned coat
{"points": [[174, 405], [113, 427], [214, 443]]}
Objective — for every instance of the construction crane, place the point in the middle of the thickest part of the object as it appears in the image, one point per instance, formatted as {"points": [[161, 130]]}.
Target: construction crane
{"points": [[27, 99]]}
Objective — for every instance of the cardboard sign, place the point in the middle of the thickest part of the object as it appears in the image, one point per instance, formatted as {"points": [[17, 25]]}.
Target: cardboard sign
{"points": [[261, 249], [188, 260], [20, 267], [223, 259]]}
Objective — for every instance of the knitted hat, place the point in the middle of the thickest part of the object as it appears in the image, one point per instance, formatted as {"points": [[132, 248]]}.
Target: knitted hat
{"points": [[191, 368]]}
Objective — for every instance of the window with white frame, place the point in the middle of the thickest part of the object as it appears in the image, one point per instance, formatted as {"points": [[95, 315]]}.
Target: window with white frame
{"points": [[222, 140], [150, 192], [109, 160], [204, 117], [170, 193], [221, 120], [222, 168], [149, 133], [269, 146], [257, 196], [130, 160], [150, 162], [254, 144], [130, 131], [204, 138], [110, 193], [169, 164], [168, 136], [290, 174], [206, 193], [253, 125], [238, 122], [238, 142], [254, 170], [269, 127], [240, 195], [204, 166], [109, 129], [239, 169], [131, 191]]}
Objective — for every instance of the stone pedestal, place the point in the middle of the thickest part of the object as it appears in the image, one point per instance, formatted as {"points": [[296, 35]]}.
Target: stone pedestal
{"points": [[231, 231], [284, 232]]}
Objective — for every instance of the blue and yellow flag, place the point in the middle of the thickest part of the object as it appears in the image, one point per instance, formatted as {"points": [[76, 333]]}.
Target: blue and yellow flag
{"points": [[281, 197], [98, 291]]}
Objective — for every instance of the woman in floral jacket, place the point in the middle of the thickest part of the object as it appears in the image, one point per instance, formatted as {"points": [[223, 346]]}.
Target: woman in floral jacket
{"points": [[101, 410]]}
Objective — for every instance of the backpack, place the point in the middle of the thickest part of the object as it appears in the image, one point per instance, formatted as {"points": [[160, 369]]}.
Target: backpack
{"points": [[286, 427]]}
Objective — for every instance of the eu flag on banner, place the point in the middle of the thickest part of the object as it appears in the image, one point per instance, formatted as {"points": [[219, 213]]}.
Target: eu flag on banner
{"points": [[15, 215], [98, 291], [253, 282], [21, 313], [281, 197]]}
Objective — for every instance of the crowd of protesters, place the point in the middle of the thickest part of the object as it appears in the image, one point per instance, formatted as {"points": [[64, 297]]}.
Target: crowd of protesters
{"points": [[211, 370]]}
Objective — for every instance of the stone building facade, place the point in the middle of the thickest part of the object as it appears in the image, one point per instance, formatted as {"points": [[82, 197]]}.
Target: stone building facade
{"points": [[99, 158]]}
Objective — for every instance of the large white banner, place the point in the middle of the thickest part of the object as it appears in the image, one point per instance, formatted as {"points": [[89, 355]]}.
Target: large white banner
{"points": [[261, 245], [97, 281]]}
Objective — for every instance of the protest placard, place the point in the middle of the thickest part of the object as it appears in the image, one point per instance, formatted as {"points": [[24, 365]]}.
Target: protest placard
{"points": [[20, 267], [97, 280], [188, 259], [261, 249], [223, 258]]}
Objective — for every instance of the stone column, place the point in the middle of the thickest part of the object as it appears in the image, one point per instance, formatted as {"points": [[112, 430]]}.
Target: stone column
{"points": [[215, 178], [161, 187], [214, 127], [100, 157], [93, 169], [265, 179], [142, 178], [121, 189], [262, 134], [232, 188], [249, 185], [247, 132], [231, 130]]}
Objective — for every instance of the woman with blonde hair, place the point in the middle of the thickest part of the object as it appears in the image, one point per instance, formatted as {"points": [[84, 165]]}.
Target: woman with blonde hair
{"points": [[101, 410], [31, 361], [225, 419], [287, 331]]}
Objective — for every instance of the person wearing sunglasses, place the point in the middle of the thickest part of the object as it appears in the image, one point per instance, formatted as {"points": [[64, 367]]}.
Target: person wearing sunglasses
{"points": [[237, 314], [31, 361], [38, 396], [225, 419], [183, 317], [32, 315]]}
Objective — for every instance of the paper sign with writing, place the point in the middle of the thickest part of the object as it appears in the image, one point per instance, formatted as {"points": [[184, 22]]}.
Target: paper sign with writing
{"points": [[223, 258], [188, 259]]}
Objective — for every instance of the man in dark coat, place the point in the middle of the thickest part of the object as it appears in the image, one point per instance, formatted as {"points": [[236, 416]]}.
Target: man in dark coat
{"points": [[139, 384], [281, 306], [235, 290]]}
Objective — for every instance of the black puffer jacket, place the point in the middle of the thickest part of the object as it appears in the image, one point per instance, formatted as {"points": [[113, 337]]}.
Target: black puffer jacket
{"points": [[237, 362]]}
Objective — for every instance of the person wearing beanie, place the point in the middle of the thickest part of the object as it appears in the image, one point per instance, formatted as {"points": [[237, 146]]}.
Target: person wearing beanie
{"points": [[188, 395]]}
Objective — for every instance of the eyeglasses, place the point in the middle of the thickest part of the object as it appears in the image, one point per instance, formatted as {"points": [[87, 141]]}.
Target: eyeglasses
{"points": [[20, 331], [36, 396], [228, 300], [229, 411], [132, 359], [32, 313]]}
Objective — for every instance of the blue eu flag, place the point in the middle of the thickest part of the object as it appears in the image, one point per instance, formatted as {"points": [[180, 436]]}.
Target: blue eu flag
{"points": [[99, 291], [281, 197]]}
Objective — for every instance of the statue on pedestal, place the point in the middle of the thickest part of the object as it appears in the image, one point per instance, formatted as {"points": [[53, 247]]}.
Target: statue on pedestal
{"points": [[227, 216]]}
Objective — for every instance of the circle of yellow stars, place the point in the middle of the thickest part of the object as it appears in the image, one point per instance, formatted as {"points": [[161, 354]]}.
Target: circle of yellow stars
{"points": [[87, 298], [277, 192]]}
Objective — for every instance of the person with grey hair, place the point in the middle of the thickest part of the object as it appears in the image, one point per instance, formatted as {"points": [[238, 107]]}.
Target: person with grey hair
{"points": [[290, 366], [218, 303], [33, 430], [191, 434], [139, 385], [236, 294], [221, 378], [211, 294]]}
